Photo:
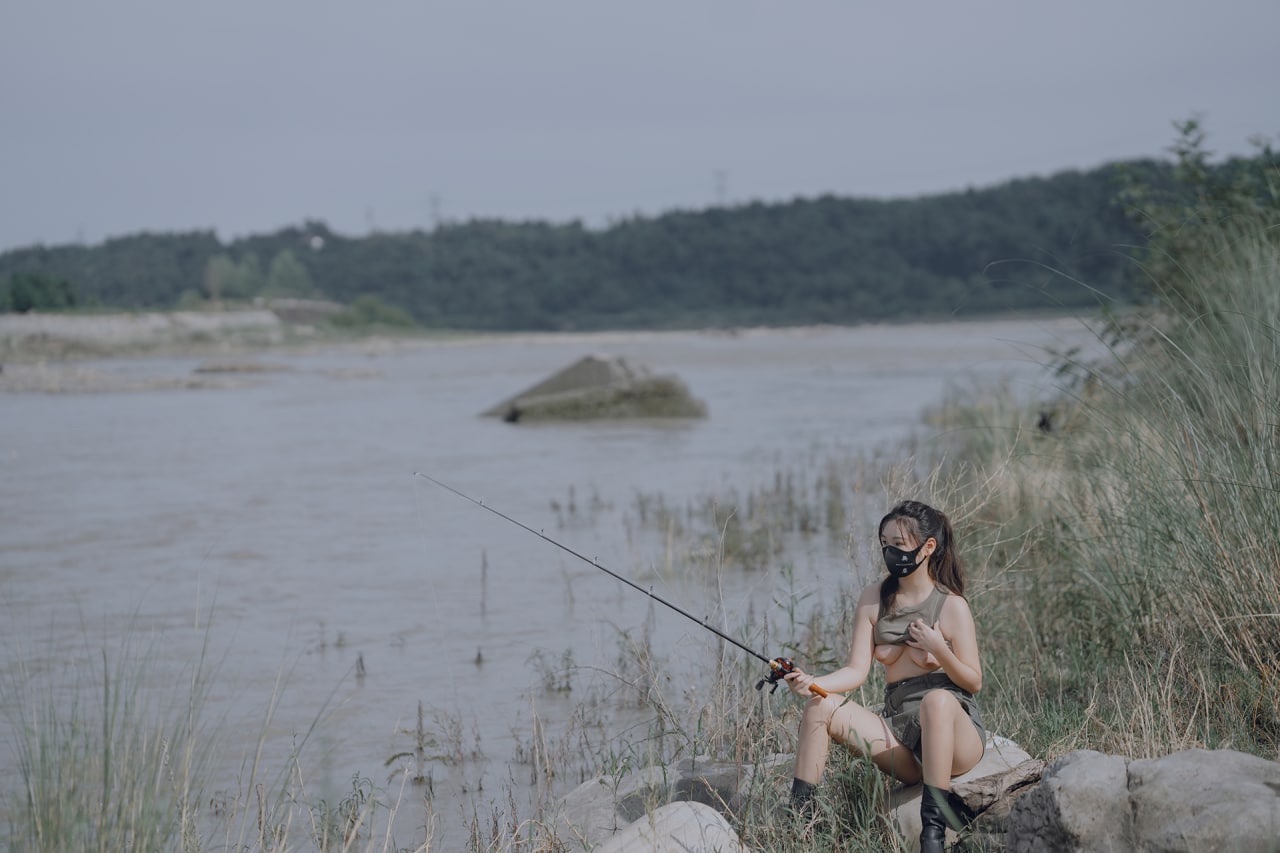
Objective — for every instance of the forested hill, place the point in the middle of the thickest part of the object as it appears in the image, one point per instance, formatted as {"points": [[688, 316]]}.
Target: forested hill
{"points": [[1027, 244]]}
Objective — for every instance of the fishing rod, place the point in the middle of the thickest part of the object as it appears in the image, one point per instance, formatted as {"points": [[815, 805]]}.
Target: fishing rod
{"points": [[778, 667]]}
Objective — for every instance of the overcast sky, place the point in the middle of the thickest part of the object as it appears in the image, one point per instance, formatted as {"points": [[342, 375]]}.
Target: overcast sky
{"points": [[245, 117]]}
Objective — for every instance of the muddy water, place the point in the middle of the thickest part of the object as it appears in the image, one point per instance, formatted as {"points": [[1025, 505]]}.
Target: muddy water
{"points": [[279, 524]]}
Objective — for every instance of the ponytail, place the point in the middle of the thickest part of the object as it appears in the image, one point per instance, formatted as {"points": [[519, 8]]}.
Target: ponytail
{"points": [[925, 522]]}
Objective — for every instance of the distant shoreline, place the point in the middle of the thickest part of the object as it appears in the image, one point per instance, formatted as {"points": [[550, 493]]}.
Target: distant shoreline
{"points": [[41, 337], [53, 353]]}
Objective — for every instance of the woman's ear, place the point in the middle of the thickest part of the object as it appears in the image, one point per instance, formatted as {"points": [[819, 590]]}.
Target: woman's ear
{"points": [[930, 545]]}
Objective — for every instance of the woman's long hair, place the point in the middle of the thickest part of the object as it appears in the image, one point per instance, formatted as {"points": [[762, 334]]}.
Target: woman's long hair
{"points": [[922, 522]]}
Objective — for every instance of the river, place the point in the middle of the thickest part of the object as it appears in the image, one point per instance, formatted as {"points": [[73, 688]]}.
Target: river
{"points": [[278, 523]]}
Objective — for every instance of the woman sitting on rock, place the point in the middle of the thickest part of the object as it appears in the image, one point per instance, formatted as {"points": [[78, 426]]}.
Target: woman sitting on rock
{"points": [[918, 625]]}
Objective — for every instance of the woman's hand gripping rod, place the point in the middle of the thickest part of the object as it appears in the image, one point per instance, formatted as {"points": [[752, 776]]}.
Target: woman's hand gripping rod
{"points": [[778, 667]]}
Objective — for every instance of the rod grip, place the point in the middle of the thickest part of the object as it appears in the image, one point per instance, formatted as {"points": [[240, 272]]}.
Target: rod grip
{"points": [[813, 688]]}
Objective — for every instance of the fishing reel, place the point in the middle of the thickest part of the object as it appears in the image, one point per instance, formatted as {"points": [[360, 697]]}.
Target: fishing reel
{"points": [[779, 668]]}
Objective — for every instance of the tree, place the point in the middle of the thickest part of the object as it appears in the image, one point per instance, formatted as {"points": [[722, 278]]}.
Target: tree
{"points": [[288, 277], [219, 275], [1183, 214], [35, 292]]}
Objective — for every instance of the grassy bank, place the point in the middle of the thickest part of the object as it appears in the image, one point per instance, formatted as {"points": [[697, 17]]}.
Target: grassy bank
{"points": [[1120, 541], [1133, 543]]}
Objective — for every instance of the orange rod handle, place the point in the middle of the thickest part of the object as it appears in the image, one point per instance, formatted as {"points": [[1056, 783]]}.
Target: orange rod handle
{"points": [[813, 688]]}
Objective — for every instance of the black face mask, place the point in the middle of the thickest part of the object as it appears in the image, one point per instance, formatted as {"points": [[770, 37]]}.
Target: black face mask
{"points": [[901, 563]]}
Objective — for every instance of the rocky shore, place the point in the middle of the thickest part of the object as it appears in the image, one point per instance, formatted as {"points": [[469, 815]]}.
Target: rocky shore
{"points": [[1184, 802]]}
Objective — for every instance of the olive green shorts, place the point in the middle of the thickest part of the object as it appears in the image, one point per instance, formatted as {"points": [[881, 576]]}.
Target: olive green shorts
{"points": [[902, 707]]}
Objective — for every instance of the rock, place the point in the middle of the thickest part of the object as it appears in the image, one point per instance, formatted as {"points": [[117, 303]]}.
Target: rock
{"points": [[676, 828], [1005, 769], [1188, 801], [1205, 800], [601, 387], [1081, 803], [604, 808], [598, 808], [1084, 801], [987, 800]]}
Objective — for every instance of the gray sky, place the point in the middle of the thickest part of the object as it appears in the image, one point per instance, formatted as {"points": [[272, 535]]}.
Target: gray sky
{"points": [[245, 117]]}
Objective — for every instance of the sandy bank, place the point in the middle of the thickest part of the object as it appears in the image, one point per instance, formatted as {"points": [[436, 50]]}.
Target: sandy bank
{"points": [[28, 337], [49, 352]]}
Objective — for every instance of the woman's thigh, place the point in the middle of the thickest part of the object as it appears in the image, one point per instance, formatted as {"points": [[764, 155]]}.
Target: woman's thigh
{"points": [[868, 733], [940, 707]]}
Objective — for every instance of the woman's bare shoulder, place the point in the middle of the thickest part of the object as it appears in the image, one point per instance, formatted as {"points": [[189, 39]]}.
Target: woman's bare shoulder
{"points": [[870, 595], [957, 605]]}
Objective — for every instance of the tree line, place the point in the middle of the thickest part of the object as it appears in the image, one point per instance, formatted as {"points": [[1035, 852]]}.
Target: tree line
{"points": [[1067, 241]]}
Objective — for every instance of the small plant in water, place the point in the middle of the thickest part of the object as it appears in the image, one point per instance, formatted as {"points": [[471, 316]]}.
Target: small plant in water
{"points": [[555, 678], [444, 744], [338, 827]]}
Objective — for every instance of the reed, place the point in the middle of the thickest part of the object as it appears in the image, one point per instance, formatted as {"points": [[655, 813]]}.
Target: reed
{"points": [[106, 761], [1144, 530], [111, 757]]}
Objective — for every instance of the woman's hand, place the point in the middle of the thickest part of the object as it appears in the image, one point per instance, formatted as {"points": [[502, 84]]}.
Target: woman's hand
{"points": [[799, 680], [927, 637]]}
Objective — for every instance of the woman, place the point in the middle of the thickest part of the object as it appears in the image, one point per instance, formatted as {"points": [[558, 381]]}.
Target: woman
{"points": [[918, 625]]}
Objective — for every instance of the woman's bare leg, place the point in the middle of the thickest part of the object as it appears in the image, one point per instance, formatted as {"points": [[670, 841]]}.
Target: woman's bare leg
{"points": [[948, 739], [852, 725]]}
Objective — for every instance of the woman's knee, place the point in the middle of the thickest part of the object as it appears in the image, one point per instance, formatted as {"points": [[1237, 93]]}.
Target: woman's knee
{"points": [[938, 704], [822, 709]]}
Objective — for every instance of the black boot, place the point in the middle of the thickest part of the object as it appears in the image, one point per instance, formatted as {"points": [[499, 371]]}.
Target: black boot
{"points": [[936, 814], [802, 795]]}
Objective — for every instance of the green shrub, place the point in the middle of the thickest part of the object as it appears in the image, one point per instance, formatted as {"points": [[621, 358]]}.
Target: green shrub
{"points": [[36, 292], [369, 311]]}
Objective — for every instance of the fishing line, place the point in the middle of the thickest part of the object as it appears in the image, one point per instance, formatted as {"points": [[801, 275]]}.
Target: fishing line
{"points": [[778, 667]]}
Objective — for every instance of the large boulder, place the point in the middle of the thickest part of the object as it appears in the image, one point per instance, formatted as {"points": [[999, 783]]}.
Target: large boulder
{"points": [[601, 807], [1188, 801], [601, 387], [683, 827]]}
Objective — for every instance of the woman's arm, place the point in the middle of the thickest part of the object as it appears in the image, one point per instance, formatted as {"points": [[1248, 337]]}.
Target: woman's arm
{"points": [[854, 673], [957, 651]]}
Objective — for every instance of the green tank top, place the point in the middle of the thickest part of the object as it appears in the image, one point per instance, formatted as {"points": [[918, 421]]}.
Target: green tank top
{"points": [[891, 628]]}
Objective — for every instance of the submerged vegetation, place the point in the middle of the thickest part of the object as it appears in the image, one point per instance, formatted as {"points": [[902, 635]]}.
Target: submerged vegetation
{"points": [[1125, 576]]}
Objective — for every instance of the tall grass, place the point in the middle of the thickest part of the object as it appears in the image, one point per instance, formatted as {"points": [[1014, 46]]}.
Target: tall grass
{"points": [[1138, 538], [106, 761], [111, 756]]}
